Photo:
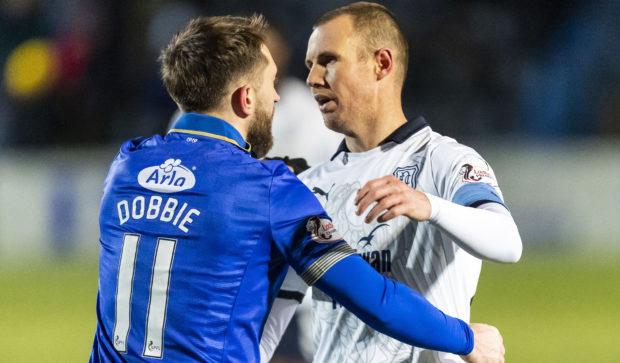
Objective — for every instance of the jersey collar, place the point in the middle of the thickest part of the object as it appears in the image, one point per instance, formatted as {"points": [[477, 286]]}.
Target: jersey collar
{"points": [[209, 126], [398, 136]]}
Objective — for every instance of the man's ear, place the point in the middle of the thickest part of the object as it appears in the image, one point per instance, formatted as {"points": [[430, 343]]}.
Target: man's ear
{"points": [[384, 62], [243, 101]]}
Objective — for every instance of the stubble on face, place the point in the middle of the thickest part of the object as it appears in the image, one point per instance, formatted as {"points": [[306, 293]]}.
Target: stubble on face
{"points": [[259, 133]]}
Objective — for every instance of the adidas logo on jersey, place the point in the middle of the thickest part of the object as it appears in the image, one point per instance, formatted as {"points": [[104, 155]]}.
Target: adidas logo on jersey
{"points": [[169, 177]]}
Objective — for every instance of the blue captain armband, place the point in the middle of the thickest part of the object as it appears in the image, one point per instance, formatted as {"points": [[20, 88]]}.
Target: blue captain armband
{"points": [[474, 194], [394, 309]]}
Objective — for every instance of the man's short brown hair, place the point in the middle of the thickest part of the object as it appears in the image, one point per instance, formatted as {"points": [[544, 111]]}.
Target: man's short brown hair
{"points": [[202, 60], [377, 27]]}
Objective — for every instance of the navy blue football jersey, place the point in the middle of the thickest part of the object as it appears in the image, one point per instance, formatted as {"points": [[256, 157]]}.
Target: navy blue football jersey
{"points": [[196, 236]]}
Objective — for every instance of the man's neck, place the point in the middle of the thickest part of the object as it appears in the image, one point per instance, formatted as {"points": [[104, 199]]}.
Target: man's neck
{"points": [[374, 132], [232, 119]]}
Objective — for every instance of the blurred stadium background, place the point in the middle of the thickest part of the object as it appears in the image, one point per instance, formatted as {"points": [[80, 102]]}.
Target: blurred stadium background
{"points": [[533, 85]]}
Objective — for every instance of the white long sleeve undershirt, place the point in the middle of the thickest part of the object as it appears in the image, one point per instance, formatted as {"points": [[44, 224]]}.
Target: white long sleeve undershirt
{"points": [[487, 232], [282, 312]]}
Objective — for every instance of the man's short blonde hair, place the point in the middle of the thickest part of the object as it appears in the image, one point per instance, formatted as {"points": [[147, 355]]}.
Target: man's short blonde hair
{"points": [[377, 27]]}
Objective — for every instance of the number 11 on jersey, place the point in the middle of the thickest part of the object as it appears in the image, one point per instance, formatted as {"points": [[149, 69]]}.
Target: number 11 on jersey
{"points": [[158, 295]]}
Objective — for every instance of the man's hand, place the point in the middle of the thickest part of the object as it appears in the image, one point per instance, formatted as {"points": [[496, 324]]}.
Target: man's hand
{"points": [[296, 165], [488, 345], [394, 197]]}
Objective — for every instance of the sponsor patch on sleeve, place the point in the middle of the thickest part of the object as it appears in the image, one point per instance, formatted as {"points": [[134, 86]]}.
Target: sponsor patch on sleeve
{"points": [[477, 172], [322, 230]]}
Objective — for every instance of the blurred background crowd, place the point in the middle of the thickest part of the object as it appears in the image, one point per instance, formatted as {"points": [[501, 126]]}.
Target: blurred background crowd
{"points": [[85, 71], [533, 85]]}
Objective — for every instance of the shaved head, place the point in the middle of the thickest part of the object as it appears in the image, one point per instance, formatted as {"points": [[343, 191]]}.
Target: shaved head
{"points": [[377, 28]]}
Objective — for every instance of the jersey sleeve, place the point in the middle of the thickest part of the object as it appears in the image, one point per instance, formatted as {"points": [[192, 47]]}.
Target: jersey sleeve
{"points": [[394, 309], [464, 177], [301, 229]]}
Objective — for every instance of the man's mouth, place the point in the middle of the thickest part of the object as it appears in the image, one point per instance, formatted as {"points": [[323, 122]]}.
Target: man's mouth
{"points": [[326, 104]]}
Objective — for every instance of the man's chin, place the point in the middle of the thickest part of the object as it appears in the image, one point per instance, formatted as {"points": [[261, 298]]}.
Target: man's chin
{"points": [[332, 122]]}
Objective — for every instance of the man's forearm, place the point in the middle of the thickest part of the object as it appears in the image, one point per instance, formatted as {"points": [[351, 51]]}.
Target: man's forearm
{"points": [[483, 233], [394, 309]]}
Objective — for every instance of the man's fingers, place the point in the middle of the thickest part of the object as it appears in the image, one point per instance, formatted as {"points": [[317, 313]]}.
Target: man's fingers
{"points": [[390, 214], [373, 195], [375, 191], [394, 212], [488, 344], [371, 185], [384, 204]]}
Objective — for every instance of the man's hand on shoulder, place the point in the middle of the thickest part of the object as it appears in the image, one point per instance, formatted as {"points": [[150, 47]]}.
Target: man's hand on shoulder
{"points": [[296, 165], [393, 197], [488, 345]]}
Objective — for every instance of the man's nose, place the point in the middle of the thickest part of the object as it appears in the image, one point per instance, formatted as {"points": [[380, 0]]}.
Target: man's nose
{"points": [[315, 77]]}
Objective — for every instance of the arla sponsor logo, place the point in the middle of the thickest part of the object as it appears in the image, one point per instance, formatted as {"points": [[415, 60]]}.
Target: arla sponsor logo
{"points": [[169, 177]]}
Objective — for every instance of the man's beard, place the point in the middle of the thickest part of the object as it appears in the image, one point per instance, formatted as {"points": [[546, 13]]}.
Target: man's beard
{"points": [[259, 132]]}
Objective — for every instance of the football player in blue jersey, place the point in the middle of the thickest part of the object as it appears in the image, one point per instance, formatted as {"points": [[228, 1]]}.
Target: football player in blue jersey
{"points": [[196, 234]]}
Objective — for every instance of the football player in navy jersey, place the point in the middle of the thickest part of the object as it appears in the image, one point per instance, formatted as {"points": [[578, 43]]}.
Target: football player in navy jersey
{"points": [[197, 235]]}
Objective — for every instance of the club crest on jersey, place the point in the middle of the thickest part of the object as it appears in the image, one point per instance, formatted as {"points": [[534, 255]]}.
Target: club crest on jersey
{"points": [[408, 174], [169, 177], [322, 230]]}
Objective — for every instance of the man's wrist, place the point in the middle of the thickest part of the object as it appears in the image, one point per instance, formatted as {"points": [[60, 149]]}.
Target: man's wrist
{"points": [[435, 207], [470, 338]]}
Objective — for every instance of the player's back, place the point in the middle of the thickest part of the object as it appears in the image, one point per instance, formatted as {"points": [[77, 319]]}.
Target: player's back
{"points": [[187, 267]]}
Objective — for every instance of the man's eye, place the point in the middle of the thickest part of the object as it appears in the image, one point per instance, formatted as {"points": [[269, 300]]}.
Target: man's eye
{"points": [[327, 61]]}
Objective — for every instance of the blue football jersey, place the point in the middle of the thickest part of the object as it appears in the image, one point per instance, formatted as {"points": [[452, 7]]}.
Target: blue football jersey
{"points": [[196, 236]]}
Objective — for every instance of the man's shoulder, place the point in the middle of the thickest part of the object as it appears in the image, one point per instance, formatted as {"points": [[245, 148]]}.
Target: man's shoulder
{"points": [[445, 148], [158, 153], [283, 180], [273, 167], [139, 143], [317, 170], [129, 151]]}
